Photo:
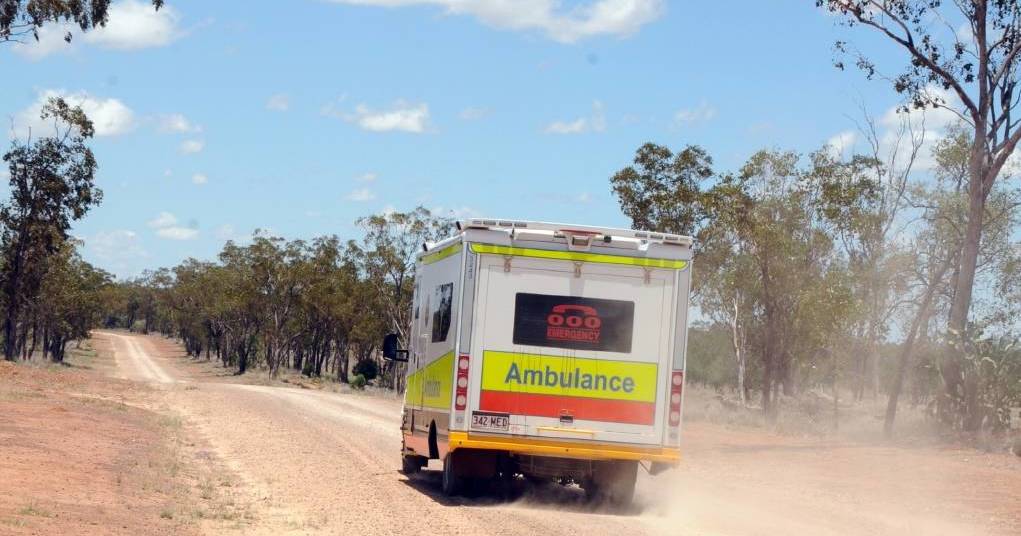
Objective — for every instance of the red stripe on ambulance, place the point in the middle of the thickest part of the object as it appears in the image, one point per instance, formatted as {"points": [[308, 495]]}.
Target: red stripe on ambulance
{"points": [[586, 409]]}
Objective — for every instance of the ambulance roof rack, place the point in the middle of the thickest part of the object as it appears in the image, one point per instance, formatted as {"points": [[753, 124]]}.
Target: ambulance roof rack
{"points": [[568, 228]]}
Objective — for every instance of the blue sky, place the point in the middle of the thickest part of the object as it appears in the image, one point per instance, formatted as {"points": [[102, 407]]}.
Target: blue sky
{"points": [[217, 118]]}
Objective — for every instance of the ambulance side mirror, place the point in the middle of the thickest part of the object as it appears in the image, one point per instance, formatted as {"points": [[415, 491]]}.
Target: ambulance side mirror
{"points": [[391, 350]]}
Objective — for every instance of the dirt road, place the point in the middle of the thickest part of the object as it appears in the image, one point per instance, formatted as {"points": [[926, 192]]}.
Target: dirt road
{"points": [[319, 462]]}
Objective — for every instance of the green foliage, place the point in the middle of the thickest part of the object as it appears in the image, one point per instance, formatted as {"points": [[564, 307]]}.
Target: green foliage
{"points": [[312, 305], [711, 357], [828, 273], [992, 382], [358, 382], [768, 268], [367, 369], [662, 191]]}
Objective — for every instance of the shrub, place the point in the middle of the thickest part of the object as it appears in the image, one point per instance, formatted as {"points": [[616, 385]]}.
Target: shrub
{"points": [[358, 382], [367, 368]]}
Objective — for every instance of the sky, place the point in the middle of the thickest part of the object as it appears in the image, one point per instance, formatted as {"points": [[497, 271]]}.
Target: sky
{"points": [[215, 119]]}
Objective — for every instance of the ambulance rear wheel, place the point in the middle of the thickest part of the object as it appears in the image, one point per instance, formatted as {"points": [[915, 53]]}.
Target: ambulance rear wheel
{"points": [[613, 483], [411, 464], [453, 482]]}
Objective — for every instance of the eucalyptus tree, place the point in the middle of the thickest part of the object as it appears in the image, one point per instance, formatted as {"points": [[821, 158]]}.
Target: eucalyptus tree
{"points": [[70, 302], [52, 182], [768, 262], [771, 206], [388, 262], [865, 201]]}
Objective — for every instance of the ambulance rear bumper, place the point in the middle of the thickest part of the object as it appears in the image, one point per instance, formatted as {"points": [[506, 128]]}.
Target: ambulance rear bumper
{"points": [[565, 449]]}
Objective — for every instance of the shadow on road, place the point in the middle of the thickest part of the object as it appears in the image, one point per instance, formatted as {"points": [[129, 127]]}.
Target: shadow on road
{"points": [[517, 492]]}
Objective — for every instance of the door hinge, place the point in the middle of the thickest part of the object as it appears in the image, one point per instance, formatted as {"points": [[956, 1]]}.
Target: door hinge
{"points": [[507, 263]]}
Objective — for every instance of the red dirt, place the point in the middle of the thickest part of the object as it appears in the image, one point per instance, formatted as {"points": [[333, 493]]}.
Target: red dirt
{"points": [[74, 464]]}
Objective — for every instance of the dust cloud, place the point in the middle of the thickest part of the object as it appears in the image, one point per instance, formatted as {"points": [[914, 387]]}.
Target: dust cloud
{"points": [[744, 483]]}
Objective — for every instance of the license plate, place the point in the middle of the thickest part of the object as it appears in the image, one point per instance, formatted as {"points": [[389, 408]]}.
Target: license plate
{"points": [[491, 421]]}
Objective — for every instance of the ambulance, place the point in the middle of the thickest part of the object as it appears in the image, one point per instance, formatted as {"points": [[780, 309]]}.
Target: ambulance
{"points": [[551, 351]]}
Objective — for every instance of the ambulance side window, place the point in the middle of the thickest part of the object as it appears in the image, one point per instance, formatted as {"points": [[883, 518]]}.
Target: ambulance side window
{"points": [[443, 302]]}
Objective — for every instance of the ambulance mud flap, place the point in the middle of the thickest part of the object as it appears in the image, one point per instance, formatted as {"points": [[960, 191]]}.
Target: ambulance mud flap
{"points": [[657, 467]]}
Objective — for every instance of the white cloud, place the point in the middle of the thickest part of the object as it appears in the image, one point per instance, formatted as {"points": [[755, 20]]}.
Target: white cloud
{"points": [[164, 219], [177, 233], [278, 103], [700, 114], [574, 127], [51, 40], [584, 197], [841, 143], [567, 25], [192, 146], [199, 178], [177, 123], [167, 172], [166, 226], [134, 24], [110, 117], [360, 195], [593, 123], [473, 113], [367, 177], [118, 251], [933, 119], [928, 126], [401, 117]]}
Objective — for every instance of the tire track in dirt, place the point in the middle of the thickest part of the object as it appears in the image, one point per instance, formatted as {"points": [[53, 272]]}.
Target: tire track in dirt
{"points": [[134, 362], [372, 441], [319, 462]]}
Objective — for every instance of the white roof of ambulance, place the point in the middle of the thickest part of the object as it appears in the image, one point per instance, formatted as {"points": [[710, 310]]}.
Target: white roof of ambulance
{"points": [[507, 232]]}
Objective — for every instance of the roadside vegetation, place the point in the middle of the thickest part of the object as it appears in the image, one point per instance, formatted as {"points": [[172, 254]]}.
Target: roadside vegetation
{"points": [[320, 307], [49, 295]]}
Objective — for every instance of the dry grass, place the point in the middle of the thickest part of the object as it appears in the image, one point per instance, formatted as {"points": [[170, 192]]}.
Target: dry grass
{"points": [[811, 414], [123, 461]]}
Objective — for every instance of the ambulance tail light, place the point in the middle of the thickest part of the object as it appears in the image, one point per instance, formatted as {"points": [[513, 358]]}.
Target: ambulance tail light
{"points": [[461, 388], [676, 383]]}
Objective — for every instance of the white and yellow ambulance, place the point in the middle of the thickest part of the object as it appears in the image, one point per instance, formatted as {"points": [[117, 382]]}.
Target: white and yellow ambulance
{"points": [[548, 350]]}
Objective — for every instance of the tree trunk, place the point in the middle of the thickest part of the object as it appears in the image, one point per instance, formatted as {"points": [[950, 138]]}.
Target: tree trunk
{"points": [[905, 352], [960, 388], [969, 249], [35, 333], [836, 390], [22, 342], [12, 289], [738, 340]]}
